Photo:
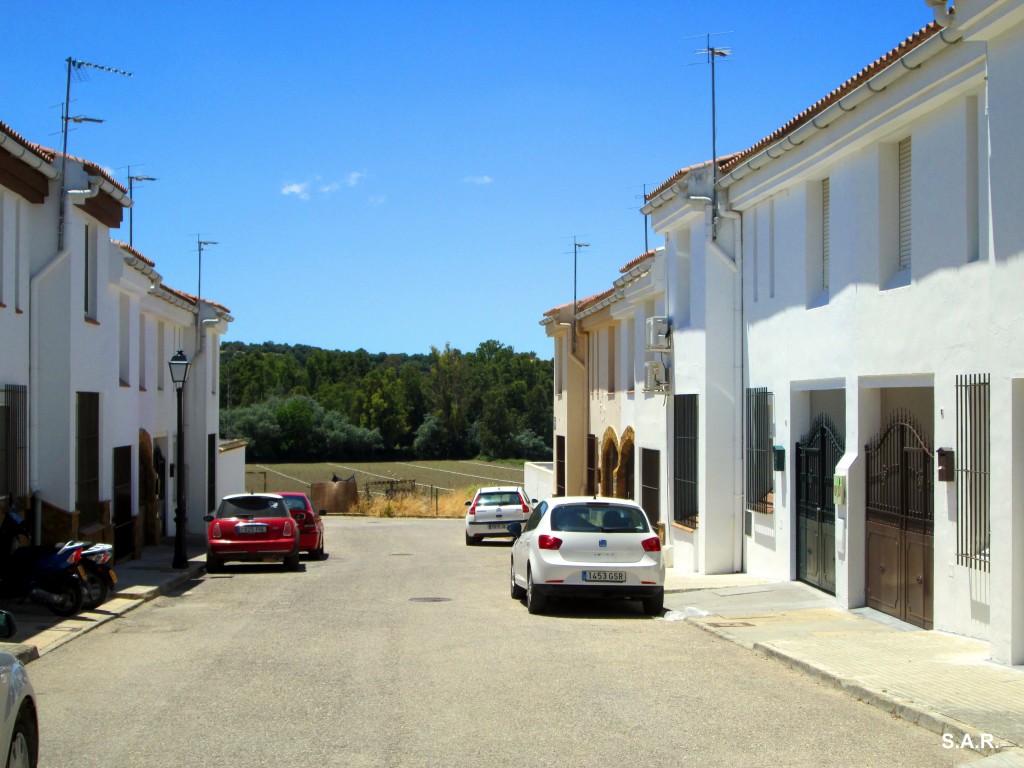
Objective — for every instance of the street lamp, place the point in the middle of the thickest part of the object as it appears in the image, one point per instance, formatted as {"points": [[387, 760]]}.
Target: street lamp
{"points": [[575, 250], [179, 366], [131, 211]]}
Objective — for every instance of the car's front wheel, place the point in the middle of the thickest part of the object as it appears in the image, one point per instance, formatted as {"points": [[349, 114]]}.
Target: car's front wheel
{"points": [[535, 602], [518, 593], [23, 751]]}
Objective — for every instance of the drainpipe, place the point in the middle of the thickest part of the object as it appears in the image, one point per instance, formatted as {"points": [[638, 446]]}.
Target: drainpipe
{"points": [[33, 351], [945, 15]]}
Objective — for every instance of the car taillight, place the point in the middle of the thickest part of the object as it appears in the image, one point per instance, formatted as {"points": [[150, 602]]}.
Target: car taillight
{"points": [[215, 531], [549, 542], [287, 530], [526, 509], [76, 557], [651, 545], [472, 509]]}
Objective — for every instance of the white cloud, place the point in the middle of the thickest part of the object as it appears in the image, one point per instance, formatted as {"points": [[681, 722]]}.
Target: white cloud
{"points": [[334, 186], [354, 178], [479, 180], [299, 190], [375, 200]]}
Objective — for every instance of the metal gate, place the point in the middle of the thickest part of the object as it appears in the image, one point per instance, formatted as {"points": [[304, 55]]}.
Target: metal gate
{"points": [[816, 458], [900, 521]]}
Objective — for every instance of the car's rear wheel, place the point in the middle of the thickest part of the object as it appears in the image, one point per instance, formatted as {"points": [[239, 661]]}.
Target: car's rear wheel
{"points": [[518, 593], [292, 562], [535, 602], [654, 606], [213, 564], [470, 540], [318, 553]]}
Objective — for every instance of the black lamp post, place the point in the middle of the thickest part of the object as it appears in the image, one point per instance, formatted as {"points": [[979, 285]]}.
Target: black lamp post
{"points": [[179, 365]]}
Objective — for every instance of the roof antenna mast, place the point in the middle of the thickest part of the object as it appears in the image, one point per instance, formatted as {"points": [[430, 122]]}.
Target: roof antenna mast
{"points": [[77, 66], [712, 53]]}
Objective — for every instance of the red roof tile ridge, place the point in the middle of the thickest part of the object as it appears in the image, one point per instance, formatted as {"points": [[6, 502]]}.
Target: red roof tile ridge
{"points": [[723, 160], [90, 166], [35, 149], [125, 247], [638, 260]]}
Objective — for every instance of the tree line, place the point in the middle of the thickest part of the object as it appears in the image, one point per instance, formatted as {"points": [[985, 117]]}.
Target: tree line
{"points": [[302, 403]]}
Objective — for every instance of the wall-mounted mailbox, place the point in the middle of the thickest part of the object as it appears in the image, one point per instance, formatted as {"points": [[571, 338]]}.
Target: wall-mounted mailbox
{"points": [[839, 490], [779, 453], [945, 458]]}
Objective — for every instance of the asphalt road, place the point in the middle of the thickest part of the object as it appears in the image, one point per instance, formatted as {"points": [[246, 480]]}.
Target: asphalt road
{"points": [[405, 649]]}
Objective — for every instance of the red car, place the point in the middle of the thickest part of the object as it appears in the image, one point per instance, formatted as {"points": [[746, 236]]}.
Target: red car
{"points": [[311, 527], [252, 527]]}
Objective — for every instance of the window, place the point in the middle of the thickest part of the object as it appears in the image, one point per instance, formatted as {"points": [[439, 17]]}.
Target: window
{"points": [[13, 441], [612, 362], [161, 355], [87, 459], [826, 220], [904, 204], [124, 344], [591, 465], [685, 464], [650, 484], [211, 472], [559, 465], [630, 357], [142, 353], [90, 274], [760, 484], [973, 524]]}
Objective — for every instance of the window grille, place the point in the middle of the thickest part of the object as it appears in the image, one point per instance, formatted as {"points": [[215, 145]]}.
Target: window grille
{"points": [[685, 462], [591, 465], [650, 484], [13, 441], [87, 475], [559, 465], [973, 445], [760, 472]]}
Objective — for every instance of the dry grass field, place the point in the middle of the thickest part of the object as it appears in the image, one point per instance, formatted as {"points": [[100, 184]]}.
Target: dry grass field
{"points": [[442, 487]]}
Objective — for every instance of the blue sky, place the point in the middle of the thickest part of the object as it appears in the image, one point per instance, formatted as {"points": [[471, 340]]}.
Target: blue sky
{"points": [[399, 174]]}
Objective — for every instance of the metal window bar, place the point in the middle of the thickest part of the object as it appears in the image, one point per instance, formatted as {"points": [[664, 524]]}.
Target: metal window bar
{"points": [[87, 476], [973, 454], [760, 473], [591, 465], [13, 441], [560, 465], [685, 508], [904, 203]]}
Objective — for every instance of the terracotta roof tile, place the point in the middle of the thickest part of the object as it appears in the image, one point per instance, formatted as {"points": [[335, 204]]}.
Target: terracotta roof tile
{"points": [[128, 249], [35, 149], [638, 260], [89, 166]]}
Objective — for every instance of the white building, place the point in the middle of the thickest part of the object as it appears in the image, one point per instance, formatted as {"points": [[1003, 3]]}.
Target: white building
{"points": [[846, 372], [89, 416]]}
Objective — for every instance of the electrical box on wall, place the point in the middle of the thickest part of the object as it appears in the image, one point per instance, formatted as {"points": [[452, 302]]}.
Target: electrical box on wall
{"points": [[946, 460], [658, 335], [655, 377]]}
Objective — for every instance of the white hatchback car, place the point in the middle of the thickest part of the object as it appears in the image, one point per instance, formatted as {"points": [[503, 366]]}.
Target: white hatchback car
{"points": [[492, 510], [19, 729], [588, 547]]}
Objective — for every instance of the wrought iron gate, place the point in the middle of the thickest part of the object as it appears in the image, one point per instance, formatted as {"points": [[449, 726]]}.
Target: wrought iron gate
{"points": [[900, 521], [816, 458]]}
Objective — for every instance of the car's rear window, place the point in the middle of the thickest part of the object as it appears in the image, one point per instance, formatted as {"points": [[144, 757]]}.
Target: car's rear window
{"points": [[494, 499], [295, 503], [599, 518], [252, 506]]}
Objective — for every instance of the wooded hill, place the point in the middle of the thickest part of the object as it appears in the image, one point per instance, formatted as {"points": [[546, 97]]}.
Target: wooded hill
{"points": [[301, 403]]}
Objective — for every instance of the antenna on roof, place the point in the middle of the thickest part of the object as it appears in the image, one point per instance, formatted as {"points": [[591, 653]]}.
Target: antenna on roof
{"points": [[74, 65], [712, 53]]}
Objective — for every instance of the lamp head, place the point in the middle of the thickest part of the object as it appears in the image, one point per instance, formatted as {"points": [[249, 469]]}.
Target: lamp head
{"points": [[179, 366]]}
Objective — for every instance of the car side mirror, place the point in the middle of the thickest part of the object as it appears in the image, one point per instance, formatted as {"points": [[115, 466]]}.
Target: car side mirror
{"points": [[469, 503], [207, 518], [8, 626], [516, 529], [322, 512]]}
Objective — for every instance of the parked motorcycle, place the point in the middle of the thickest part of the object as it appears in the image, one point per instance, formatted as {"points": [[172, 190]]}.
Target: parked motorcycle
{"points": [[45, 574], [100, 579]]}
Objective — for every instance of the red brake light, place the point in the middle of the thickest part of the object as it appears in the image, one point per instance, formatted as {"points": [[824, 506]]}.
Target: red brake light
{"points": [[76, 556], [287, 530], [472, 509], [544, 541], [215, 531], [652, 545]]}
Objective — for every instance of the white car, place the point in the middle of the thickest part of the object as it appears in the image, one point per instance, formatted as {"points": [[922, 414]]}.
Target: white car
{"points": [[588, 547], [492, 510], [20, 729]]}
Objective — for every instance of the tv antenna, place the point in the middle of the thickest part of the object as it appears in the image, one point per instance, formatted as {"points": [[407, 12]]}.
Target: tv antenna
{"points": [[711, 53], [78, 67]]}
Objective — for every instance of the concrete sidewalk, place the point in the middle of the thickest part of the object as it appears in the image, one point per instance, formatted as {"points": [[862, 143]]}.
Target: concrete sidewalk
{"points": [[151, 575], [943, 682]]}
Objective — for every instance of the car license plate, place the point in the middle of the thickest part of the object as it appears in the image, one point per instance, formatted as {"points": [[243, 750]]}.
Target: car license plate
{"points": [[498, 527], [612, 576], [251, 528]]}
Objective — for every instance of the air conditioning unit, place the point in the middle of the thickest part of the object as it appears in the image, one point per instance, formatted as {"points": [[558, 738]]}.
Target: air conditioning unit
{"points": [[655, 376], [658, 335]]}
